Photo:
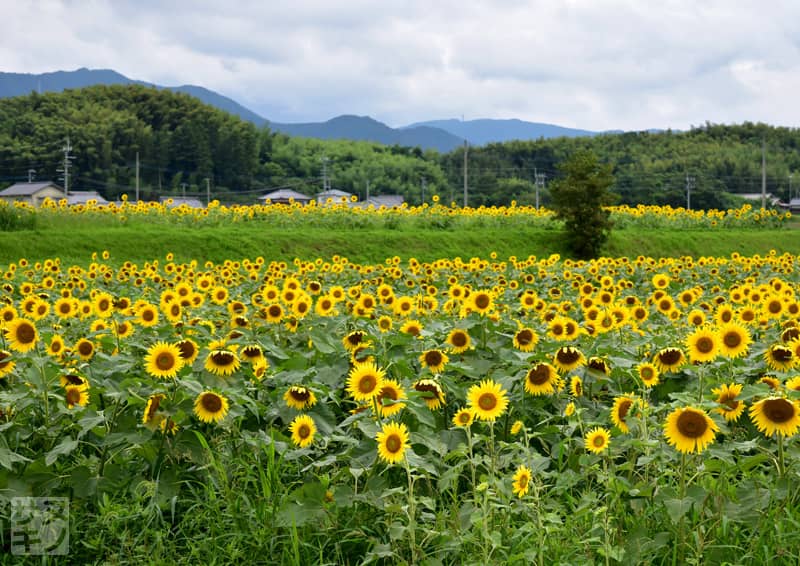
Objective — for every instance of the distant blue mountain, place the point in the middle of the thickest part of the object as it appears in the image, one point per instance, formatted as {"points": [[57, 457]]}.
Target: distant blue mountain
{"points": [[481, 132], [364, 128], [22, 84]]}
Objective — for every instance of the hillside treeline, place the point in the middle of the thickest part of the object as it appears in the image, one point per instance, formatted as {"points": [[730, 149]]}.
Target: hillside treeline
{"points": [[181, 142]]}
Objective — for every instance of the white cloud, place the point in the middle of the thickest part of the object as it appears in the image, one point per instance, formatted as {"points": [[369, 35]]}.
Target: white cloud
{"points": [[609, 64]]}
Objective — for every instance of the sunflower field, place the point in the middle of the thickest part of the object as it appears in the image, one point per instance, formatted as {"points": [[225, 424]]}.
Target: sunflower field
{"points": [[484, 410]]}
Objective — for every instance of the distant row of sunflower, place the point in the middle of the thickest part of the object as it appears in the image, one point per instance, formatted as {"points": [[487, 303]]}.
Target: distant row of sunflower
{"points": [[643, 215], [675, 350]]}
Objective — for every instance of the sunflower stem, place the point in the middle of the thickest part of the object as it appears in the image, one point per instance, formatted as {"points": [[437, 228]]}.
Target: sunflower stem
{"points": [[412, 512], [781, 462], [471, 458]]}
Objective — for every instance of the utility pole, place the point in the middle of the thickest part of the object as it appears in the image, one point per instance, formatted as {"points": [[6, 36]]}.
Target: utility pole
{"points": [[367, 199], [763, 173], [790, 186], [137, 176], [31, 173], [208, 192], [67, 158], [689, 185], [183, 186], [422, 183], [539, 184], [325, 182], [466, 172]]}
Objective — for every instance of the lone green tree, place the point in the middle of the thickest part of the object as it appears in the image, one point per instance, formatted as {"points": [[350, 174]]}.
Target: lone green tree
{"points": [[578, 197]]}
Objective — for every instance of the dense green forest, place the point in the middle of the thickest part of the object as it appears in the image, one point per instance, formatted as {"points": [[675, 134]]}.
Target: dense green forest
{"points": [[181, 142]]}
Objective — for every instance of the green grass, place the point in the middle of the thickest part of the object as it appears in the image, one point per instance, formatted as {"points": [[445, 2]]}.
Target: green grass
{"points": [[142, 242]]}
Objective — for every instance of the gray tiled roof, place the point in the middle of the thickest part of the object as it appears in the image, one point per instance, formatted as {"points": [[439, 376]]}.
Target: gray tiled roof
{"points": [[26, 189]]}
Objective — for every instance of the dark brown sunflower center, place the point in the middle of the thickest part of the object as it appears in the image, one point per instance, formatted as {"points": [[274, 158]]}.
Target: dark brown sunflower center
{"points": [[304, 431], [464, 418], [778, 410], [211, 402], [274, 311], [598, 365], [55, 346], [487, 401], [85, 348], [251, 352], [670, 356], [148, 315], [647, 373], [103, 305], [568, 356], [73, 396], [729, 400], [222, 358], [165, 361], [367, 383], [539, 375], [732, 339], [433, 358], [782, 354], [525, 337], [355, 338], [459, 340], [186, 349], [393, 443], [300, 394], [64, 308], [598, 441], [482, 301], [705, 345], [624, 407], [775, 307], [26, 333], [691, 424], [389, 393], [429, 390]]}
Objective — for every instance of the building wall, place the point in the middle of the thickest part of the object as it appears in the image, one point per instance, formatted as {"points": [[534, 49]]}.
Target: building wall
{"points": [[38, 197]]}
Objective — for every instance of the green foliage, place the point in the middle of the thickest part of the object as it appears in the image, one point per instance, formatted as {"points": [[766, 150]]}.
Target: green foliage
{"points": [[13, 218], [578, 199]]}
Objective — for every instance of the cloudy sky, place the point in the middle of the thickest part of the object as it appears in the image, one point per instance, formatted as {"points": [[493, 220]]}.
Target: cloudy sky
{"points": [[592, 64]]}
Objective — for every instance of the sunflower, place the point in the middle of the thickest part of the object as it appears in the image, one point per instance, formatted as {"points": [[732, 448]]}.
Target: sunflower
{"points": [[542, 379], [74, 379], [188, 350], [169, 426], [568, 358], [648, 373], [85, 349], [525, 339], [734, 339], [598, 364], [222, 362], [597, 440], [516, 427], [252, 353], [434, 360], [299, 397], [21, 335], [488, 400], [689, 429], [151, 407], [76, 395], [65, 307], [412, 327], [431, 392], [459, 341], [730, 407], [385, 323], [569, 410], [6, 365], [210, 407], [793, 384], [392, 442], [703, 345], [303, 430], [273, 313], [480, 301], [776, 414], [353, 340], [619, 412], [391, 392], [163, 360], [103, 304], [365, 381], [147, 315], [521, 481], [669, 359], [780, 357], [464, 418], [576, 386], [771, 381], [56, 346], [260, 369]]}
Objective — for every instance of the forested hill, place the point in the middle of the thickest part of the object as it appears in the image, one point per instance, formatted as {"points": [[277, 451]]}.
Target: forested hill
{"points": [[181, 142]]}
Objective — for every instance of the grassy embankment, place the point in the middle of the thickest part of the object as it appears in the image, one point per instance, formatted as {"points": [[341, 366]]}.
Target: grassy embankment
{"points": [[142, 242]]}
